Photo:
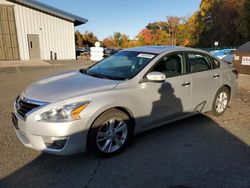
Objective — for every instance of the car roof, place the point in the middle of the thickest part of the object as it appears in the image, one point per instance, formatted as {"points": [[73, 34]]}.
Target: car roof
{"points": [[162, 49]]}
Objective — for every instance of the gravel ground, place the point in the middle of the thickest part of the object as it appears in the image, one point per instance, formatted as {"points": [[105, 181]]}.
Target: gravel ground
{"points": [[236, 120], [201, 151]]}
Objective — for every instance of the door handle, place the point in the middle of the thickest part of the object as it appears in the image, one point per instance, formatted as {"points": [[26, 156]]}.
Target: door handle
{"points": [[185, 84], [216, 76]]}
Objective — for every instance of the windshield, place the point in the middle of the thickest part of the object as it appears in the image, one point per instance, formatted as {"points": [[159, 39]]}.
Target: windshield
{"points": [[121, 66]]}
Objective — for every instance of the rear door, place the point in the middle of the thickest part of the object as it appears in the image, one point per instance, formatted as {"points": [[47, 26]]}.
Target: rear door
{"points": [[206, 80]]}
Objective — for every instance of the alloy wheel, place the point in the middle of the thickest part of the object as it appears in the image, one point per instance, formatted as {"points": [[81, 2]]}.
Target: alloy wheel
{"points": [[112, 135], [221, 102]]}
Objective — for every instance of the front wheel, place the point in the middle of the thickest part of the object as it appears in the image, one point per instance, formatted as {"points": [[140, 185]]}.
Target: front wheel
{"points": [[110, 133], [221, 101]]}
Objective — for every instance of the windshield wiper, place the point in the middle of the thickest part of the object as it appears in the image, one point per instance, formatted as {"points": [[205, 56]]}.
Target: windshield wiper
{"points": [[97, 75], [83, 71]]}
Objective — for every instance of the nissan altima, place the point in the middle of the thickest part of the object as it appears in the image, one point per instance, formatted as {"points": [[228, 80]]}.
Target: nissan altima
{"points": [[101, 108]]}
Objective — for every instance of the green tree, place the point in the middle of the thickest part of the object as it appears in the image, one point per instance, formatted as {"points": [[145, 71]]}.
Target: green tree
{"points": [[117, 37]]}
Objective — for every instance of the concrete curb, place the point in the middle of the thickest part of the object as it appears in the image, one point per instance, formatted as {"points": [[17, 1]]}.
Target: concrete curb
{"points": [[4, 64], [39, 63]]}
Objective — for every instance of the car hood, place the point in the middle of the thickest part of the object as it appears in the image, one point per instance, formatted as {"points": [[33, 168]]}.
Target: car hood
{"points": [[66, 85]]}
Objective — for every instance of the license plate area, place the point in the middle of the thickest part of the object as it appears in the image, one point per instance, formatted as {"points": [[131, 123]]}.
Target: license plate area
{"points": [[14, 121]]}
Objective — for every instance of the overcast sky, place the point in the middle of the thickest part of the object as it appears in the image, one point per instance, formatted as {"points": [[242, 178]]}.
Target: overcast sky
{"points": [[125, 16]]}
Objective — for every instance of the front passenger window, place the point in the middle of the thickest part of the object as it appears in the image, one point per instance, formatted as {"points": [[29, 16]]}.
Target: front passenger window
{"points": [[171, 65], [198, 63]]}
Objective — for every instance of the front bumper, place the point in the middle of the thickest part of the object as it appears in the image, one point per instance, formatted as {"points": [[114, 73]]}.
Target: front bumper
{"points": [[35, 135]]}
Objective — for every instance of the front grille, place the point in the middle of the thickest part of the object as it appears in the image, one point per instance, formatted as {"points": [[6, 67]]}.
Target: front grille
{"points": [[23, 106]]}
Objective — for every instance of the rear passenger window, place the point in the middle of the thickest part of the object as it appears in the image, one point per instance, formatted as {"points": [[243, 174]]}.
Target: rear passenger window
{"points": [[216, 63], [198, 63]]}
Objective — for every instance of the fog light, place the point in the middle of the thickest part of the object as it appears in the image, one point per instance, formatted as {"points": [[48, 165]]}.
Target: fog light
{"points": [[55, 142]]}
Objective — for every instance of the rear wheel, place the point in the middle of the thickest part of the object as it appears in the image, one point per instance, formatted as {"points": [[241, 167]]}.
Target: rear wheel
{"points": [[110, 133], [221, 101]]}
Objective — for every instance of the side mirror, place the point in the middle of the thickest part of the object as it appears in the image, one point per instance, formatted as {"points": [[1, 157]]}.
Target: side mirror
{"points": [[156, 77]]}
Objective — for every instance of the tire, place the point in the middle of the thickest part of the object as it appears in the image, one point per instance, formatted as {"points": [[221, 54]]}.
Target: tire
{"points": [[110, 133], [220, 102]]}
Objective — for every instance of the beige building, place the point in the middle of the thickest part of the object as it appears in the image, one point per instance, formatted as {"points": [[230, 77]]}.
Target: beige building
{"points": [[32, 30]]}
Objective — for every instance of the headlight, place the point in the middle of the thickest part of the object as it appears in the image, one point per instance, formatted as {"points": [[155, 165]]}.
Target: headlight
{"points": [[63, 113]]}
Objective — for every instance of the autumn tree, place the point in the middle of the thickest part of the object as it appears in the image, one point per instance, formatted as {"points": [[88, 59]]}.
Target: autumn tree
{"points": [[173, 27], [217, 21], [133, 43], [162, 25], [145, 37], [117, 40], [160, 33], [124, 41], [160, 37], [244, 21], [109, 43], [225, 21], [78, 39], [187, 32], [89, 39]]}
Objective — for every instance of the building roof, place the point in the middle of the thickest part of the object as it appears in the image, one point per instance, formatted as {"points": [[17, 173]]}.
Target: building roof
{"points": [[161, 49], [51, 10], [244, 48]]}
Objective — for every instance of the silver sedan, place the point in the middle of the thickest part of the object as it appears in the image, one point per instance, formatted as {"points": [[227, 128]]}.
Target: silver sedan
{"points": [[101, 108]]}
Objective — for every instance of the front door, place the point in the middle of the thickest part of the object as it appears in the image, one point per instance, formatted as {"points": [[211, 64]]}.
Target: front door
{"points": [[34, 47], [167, 100]]}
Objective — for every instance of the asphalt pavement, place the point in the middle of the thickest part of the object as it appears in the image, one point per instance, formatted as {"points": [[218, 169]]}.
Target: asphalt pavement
{"points": [[196, 152]]}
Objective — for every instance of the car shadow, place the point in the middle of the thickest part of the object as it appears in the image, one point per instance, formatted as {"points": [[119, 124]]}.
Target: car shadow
{"points": [[195, 152]]}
